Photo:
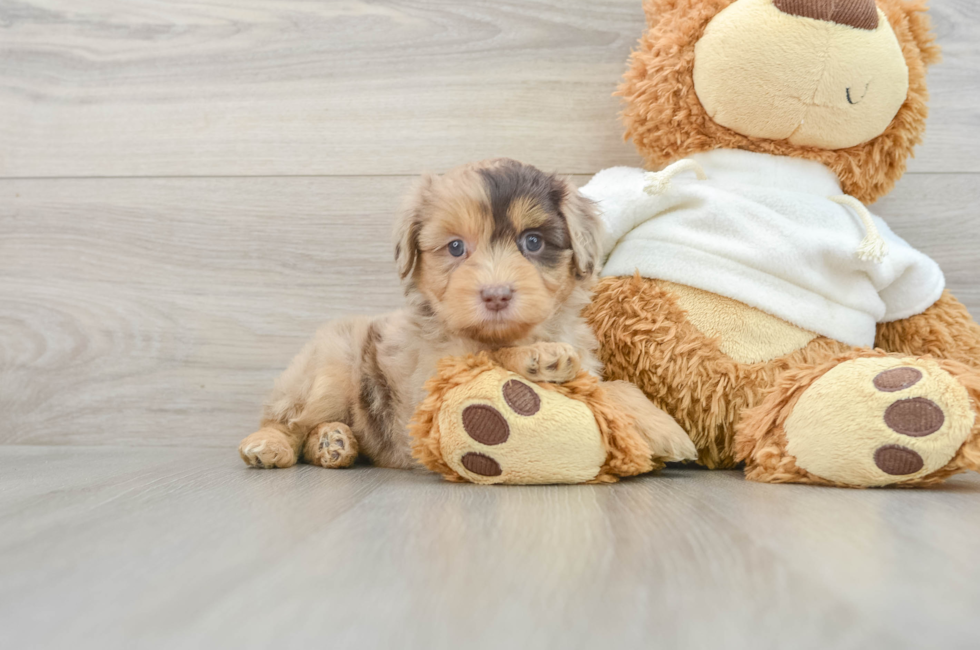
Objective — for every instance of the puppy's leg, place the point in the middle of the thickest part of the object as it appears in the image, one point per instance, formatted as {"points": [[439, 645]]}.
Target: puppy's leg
{"points": [[668, 441], [303, 418], [271, 446], [550, 362]]}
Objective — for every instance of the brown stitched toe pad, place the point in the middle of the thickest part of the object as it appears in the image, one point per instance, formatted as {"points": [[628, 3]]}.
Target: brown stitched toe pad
{"points": [[917, 417], [486, 425], [896, 379], [897, 460], [521, 397], [481, 464]]}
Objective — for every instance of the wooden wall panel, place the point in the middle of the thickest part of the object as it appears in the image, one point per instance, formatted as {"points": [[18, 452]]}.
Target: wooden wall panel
{"points": [[300, 87], [159, 311]]}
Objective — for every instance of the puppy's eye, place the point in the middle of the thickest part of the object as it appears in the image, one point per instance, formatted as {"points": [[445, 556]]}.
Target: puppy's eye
{"points": [[532, 242], [457, 248]]}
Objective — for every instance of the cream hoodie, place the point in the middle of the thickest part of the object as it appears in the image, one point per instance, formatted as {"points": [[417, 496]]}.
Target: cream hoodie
{"points": [[764, 230]]}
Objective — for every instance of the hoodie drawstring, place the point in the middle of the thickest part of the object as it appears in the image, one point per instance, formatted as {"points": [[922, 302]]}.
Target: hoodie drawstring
{"points": [[658, 182], [873, 247]]}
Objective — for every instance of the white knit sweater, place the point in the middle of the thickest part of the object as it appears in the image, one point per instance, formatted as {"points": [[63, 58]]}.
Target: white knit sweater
{"points": [[763, 230]]}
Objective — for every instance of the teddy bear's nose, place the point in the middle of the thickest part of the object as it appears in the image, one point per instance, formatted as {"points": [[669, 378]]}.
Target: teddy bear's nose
{"points": [[861, 14]]}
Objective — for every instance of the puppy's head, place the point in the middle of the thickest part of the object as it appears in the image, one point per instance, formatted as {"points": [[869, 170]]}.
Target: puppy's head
{"points": [[495, 249]]}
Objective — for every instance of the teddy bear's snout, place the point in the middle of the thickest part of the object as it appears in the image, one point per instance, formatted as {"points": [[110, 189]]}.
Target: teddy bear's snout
{"points": [[860, 14]]}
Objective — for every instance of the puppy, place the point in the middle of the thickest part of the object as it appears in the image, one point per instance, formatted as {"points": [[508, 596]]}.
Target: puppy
{"points": [[494, 256]]}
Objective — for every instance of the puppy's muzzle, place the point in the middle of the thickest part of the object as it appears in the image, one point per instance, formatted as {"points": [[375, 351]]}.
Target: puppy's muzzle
{"points": [[496, 297]]}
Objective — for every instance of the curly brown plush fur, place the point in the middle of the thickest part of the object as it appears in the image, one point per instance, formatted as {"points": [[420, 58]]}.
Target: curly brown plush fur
{"points": [[944, 331], [647, 339], [666, 121], [735, 412]]}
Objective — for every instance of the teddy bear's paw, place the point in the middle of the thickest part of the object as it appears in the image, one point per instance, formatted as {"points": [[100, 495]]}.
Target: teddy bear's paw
{"points": [[331, 445], [878, 421], [267, 448], [502, 429]]}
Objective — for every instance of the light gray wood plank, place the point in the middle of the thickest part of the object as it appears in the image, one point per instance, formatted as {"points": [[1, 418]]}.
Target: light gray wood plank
{"points": [[158, 312], [115, 88], [851, 541], [186, 548], [952, 138], [937, 214]]}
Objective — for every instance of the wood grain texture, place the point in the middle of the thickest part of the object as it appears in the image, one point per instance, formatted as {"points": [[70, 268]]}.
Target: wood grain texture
{"points": [[117, 88], [952, 135], [119, 548], [159, 311]]}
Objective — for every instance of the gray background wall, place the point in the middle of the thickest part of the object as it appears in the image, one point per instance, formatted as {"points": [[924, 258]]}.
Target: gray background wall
{"points": [[188, 189]]}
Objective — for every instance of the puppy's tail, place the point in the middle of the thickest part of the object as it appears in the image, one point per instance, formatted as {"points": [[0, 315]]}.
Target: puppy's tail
{"points": [[668, 441]]}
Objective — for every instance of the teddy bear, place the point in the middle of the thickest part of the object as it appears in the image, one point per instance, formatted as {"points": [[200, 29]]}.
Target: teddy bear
{"points": [[747, 289], [480, 423]]}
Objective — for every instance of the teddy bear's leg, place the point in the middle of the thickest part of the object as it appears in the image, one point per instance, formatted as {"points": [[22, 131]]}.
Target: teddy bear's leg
{"points": [[944, 331], [865, 419], [647, 338]]}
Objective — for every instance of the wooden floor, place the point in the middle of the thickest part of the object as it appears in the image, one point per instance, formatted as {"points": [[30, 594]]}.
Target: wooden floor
{"points": [[172, 548], [187, 189]]}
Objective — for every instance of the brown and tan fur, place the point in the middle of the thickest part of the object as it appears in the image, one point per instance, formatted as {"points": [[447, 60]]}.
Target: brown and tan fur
{"points": [[353, 389]]}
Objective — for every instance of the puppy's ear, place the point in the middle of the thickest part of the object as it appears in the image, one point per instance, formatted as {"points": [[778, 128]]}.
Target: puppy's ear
{"points": [[408, 226], [585, 228]]}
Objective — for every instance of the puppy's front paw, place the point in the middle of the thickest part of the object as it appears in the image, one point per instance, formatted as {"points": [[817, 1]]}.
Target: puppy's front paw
{"points": [[267, 448], [550, 362]]}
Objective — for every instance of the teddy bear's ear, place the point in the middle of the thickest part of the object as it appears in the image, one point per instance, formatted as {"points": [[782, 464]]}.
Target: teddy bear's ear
{"points": [[655, 9], [920, 25]]}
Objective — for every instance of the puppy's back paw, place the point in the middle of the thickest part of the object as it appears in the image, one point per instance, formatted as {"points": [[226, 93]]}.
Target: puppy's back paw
{"points": [[267, 448], [331, 445]]}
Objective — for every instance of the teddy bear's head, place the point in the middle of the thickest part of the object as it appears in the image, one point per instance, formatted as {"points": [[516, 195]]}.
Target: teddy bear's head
{"points": [[837, 81]]}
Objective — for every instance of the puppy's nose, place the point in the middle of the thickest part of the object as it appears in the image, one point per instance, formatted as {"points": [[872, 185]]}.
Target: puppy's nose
{"points": [[860, 14], [496, 297]]}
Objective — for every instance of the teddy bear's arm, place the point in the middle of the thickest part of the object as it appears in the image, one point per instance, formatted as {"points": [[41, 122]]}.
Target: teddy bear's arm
{"points": [[946, 331]]}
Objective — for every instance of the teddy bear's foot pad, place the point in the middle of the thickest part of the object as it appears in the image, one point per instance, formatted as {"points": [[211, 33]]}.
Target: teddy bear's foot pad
{"points": [[503, 429], [916, 417], [878, 421]]}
